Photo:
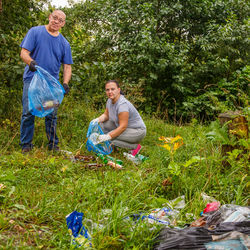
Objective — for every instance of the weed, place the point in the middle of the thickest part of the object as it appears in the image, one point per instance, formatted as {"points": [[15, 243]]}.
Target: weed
{"points": [[38, 190]]}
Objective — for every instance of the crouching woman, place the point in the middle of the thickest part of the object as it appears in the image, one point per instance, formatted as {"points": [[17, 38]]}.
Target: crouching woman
{"points": [[121, 122]]}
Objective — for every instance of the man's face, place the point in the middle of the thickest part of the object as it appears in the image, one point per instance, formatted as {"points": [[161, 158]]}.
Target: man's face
{"points": [[56, 20]]}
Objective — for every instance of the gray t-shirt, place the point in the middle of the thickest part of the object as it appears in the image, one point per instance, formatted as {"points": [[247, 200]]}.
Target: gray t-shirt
{"points": [[123, 105]]}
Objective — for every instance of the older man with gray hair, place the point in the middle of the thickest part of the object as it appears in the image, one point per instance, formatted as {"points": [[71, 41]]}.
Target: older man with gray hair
{"points": [[46, 47]]}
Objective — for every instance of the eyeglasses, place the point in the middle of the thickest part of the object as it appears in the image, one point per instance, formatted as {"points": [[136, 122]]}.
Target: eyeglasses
{"points": [[55, 18]]}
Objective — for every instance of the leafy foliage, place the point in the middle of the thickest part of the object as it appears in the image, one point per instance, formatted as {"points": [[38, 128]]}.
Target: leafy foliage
{"points": [[174, 51], [15, 20], [38, 190], [175, 59]]}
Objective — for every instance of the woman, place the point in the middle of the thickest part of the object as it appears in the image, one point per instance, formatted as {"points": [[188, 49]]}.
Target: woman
{"points": [[121, 122]]}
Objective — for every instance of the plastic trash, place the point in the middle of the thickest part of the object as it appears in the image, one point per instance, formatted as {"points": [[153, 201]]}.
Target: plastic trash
{"points": [[93, 137], [197, 237], [107, 158], [207, 198], [177, 203], [45, 93], [132, 158], [93, 165], [93, 132], [234, 213], [163, 215], [79, 234], [135, 159], [235, 217], [226, 213], [166, 215], [232, 240], [114, 165], [211, 207]]}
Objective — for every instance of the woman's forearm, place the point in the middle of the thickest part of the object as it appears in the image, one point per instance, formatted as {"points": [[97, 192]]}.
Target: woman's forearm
{"points": [[123, 124], [116, 132], [103, 118]]}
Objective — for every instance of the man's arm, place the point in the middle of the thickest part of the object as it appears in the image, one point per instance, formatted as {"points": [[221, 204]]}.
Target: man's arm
{"points": [[67, 73], [25, 56]]}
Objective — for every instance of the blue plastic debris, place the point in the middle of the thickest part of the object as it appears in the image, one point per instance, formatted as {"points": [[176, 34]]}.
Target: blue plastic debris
{"points": [[79, 234], [94, 130]]}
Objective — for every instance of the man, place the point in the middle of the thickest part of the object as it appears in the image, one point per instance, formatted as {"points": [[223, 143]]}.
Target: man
{"points": [[46, 47]]}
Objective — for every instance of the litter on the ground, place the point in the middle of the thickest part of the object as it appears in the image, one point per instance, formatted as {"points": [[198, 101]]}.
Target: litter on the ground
{"points": [[107, 158], [94, 165], [204, 238], [135, 159], [79, 234], [225, 227], [166, 215], [78, 157], [84, 158], [211, 207], [114, 165]]}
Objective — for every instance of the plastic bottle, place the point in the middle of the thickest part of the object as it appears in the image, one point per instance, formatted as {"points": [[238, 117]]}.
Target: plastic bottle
{"points": [[132, 158], [104, 159], [107, 157], [141, 157], [114, 160]]}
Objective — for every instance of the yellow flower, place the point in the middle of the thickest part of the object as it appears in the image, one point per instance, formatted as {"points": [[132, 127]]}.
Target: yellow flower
{"points": [[177, 145], [165, 139], [166, 146], [171, 143], [178, 137]]}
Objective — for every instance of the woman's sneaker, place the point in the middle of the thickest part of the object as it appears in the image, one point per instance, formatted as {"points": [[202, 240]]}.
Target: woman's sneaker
{"points": [[136, 151]]}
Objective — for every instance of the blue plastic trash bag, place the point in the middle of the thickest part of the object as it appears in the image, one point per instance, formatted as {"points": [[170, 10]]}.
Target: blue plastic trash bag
{"points": [[79, 234], [94, 131], [45, 93]]}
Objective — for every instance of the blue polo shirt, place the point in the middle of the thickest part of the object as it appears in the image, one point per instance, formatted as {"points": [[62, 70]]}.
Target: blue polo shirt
{"points": [[48, 51]]}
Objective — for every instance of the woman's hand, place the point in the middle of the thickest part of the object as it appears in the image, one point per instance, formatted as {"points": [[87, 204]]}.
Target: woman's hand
{"points": [[96, 120], [103, 138]]}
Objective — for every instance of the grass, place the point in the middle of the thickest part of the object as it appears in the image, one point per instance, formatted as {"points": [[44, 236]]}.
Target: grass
{"points": [[39, 189]]}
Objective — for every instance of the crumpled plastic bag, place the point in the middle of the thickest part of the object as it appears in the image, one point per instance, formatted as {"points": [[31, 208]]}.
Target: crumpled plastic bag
{"points": [[226, 213], [45, 93], [80, 235], [197, 237], [166, 215], [94, 130]]}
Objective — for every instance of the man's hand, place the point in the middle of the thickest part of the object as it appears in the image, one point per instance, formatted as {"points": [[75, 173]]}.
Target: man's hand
{"points": [[66, 88], [32, 66], [102, 138]]}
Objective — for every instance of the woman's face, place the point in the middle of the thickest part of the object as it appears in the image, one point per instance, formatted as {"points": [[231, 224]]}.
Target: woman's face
{"points": [[112, 91]]}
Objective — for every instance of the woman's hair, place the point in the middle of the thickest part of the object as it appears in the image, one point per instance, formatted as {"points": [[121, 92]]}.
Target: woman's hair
{"points": [[117, 85]]}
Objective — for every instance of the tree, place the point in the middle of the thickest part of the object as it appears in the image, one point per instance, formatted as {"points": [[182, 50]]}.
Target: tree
{"points": [[171, 49], [15, 20]]}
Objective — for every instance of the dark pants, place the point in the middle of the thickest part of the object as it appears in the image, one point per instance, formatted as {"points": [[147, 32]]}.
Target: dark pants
{"points": [[27, 123]]}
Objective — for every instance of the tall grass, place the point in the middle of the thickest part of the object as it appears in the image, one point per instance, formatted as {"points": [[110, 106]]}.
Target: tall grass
{"points": [[41, 188]]}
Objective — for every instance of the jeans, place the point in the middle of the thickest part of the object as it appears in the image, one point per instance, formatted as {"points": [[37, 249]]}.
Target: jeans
{"points": [[128, 138], [27, 123]]}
